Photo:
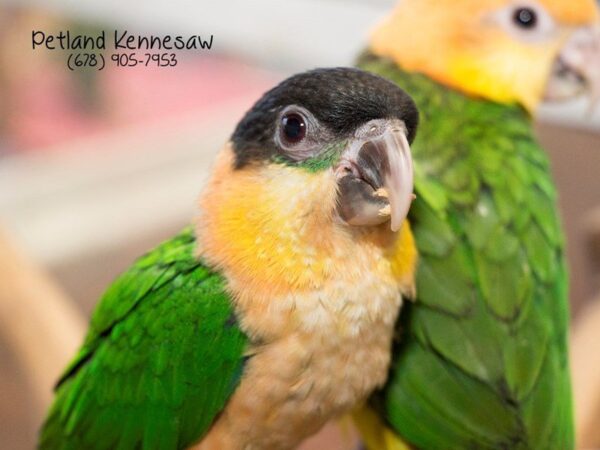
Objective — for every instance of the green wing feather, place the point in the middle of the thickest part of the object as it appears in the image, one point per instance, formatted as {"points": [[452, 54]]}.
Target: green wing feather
{"points": [[482, 363], [162, 356]]}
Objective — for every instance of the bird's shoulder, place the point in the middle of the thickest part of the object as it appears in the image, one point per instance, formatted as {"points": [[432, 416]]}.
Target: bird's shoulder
{"points": [[490, 320], [162, 356]]}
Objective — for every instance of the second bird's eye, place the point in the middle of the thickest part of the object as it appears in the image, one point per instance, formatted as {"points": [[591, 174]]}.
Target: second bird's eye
{"points": [[293, 127], [525, 18]]}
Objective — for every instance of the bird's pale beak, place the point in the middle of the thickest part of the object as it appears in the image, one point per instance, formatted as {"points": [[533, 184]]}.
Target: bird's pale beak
{"points": [[576, 70], [375, 175]]}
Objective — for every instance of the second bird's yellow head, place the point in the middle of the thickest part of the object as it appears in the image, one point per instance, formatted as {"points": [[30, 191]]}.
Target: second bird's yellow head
{"points": [[508, 51]]}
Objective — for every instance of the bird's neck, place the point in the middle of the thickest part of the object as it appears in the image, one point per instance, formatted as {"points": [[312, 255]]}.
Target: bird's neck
{"points": [[451, 119], [272, 229], [433, 96]]}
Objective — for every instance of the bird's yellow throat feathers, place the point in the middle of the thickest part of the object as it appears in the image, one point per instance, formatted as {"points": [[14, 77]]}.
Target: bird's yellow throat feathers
{"points": [[258, 226], [469, 44]]}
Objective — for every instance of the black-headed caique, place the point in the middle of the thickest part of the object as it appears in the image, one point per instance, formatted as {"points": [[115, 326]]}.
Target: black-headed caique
{"points": [[276, 311], [482, 361]]}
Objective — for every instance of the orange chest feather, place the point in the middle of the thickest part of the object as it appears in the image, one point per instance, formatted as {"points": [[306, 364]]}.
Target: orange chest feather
{"points": [[270, 235], [318, 299]]}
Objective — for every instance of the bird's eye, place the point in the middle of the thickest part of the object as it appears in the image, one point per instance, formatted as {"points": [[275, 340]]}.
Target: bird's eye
{"points": [[527, 22], [293, 128], [525, 18]]}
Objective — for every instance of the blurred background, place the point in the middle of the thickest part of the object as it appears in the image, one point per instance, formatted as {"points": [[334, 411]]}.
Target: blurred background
{"points": [[98, 166]]}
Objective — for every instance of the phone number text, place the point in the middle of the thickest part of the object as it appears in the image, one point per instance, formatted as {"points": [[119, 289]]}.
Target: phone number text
{"points": [[99, 61]]}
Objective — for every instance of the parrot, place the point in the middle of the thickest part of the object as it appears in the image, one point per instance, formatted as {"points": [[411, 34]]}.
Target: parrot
{"points": [[481, 358], [275, 309]]}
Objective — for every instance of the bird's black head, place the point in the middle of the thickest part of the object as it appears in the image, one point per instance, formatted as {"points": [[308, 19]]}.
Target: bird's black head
{"points": [[322, 107], [352, 122]]}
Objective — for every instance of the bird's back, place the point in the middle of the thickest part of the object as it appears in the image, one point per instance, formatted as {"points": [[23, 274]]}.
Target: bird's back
{"points": [[482, 362]]}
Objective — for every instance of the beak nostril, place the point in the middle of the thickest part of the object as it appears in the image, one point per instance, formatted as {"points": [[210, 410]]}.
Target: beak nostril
{"points": [[347, 168]]}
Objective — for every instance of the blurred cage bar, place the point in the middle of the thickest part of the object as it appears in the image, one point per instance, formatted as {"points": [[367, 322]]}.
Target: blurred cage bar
{"points": [[97, 167]]}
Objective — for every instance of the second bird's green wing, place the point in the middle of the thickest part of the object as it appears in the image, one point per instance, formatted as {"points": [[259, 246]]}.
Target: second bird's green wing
{"points": [[482, 362], [161, 358]]}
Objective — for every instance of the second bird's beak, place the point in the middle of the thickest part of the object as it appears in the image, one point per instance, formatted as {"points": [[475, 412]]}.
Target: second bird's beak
{"points": [[576, 70], [375, 175]]}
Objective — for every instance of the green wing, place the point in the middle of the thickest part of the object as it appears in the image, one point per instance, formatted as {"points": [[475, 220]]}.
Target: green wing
{"points": [[483, 361], [162, 356]]}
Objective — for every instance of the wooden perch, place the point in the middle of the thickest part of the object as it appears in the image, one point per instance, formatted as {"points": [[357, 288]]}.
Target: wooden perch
{"points": [[585, 366], [41, 325], [592, 231]]}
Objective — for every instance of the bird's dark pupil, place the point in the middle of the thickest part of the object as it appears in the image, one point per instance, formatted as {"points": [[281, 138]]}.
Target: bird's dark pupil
{"points": [[526, 17], [294, 127]]}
